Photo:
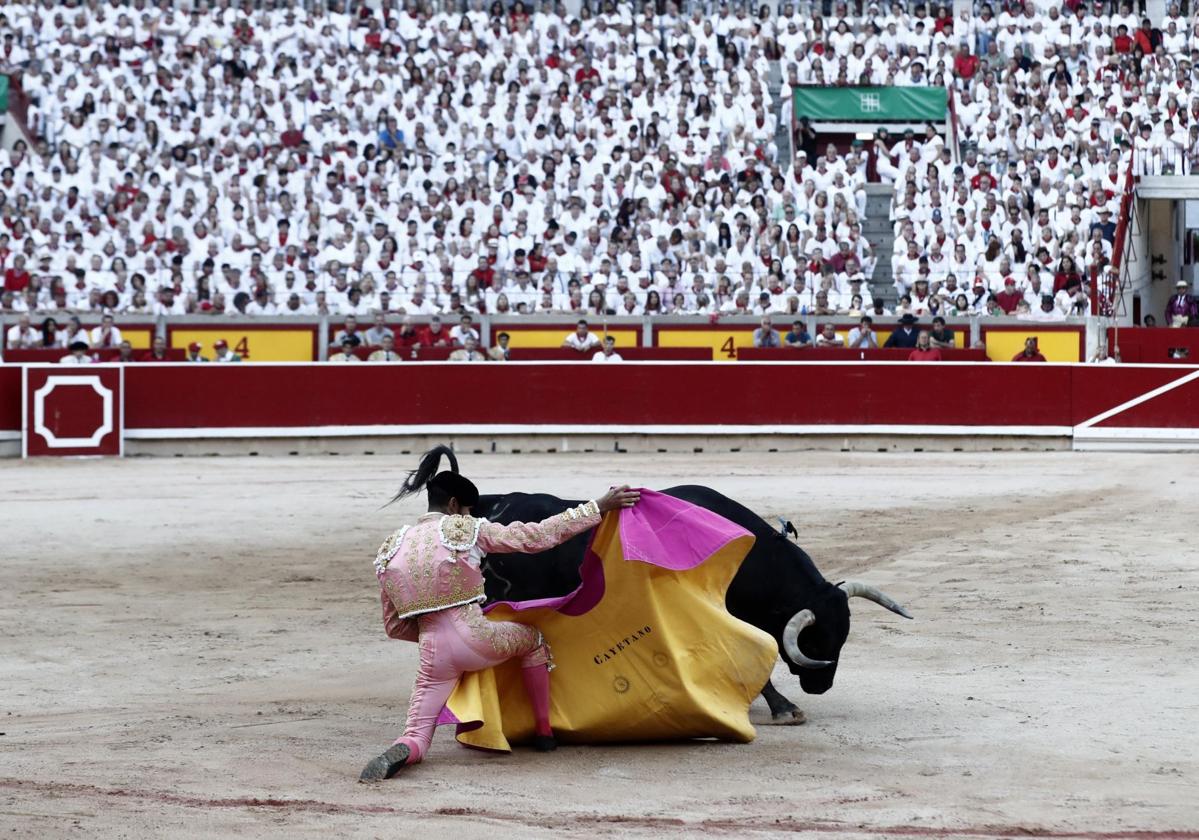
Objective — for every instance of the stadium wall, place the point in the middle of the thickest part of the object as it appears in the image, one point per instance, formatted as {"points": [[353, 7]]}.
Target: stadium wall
{"points": [[649, 406]]}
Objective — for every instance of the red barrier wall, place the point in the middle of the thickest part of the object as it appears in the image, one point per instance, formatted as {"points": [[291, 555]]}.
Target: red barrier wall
{"points": [[10, 398], [1038, 398], [856, 393], [1152, 345]]}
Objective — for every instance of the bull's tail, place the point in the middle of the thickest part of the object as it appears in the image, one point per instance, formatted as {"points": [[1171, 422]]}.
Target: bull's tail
{"points": [[504, 588]]}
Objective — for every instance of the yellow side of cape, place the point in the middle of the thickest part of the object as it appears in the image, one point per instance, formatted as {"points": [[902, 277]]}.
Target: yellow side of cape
{"points": [[658, 658]]}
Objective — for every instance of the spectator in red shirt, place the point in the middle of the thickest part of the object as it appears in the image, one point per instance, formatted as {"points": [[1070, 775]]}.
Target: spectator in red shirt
{"points": [[587, 72], [924, 351], [1030, 353], [965, 65], [407, 337], [484, 275], [16, 278], [433, 335], [1066, 274], [1146, 38], [1009, 298], [1122, 43], [292, 137], [537, 259]]}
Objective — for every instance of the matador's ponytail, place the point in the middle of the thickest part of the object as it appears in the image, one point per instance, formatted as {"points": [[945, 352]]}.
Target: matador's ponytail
{"points": [[442, 486]]}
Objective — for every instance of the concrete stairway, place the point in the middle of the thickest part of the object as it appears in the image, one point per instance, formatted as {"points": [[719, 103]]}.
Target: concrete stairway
{"points": [[782, 132], [878, 230], [876, 227]]}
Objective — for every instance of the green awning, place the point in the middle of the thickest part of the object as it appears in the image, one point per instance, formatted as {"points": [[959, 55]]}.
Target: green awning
{"points": [[871, 104]]}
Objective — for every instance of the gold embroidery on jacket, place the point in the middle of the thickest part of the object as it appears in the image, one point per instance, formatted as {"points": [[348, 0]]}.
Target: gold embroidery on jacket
{"points": [[459, 533], [388, 550]]}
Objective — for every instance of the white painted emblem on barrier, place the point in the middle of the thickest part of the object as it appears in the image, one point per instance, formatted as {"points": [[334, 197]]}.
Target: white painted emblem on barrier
{"points": [[869, 103], [39, 411]]}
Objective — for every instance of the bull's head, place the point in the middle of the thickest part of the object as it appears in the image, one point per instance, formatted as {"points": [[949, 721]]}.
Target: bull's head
{"points": [[813, 638]]}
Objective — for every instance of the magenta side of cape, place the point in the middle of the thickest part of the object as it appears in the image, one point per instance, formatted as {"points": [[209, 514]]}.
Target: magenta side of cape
{"points": [[660, 530]]}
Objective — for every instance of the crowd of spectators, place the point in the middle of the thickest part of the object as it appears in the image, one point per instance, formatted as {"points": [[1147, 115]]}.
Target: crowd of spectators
{"points": [[1054, 106], [503, 159], [510, 157]]}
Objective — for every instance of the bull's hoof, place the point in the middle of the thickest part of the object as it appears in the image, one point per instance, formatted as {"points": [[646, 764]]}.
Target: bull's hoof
{"points": [[386, 765], [789, 717]]}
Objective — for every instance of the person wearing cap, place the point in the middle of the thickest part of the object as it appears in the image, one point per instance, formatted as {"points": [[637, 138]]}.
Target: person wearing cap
{"points": [[1105, 224], [193, 352], [347, 351], [431, 589], [905, 335], [1182, 306], [223, 353], [1009, 298]]}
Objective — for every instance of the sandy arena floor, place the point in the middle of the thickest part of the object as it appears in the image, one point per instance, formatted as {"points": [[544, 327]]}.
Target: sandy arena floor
{"points": [[192, 648]]}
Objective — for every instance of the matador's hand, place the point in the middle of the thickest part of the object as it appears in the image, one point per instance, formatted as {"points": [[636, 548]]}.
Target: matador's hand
{"points": [[618, 497]]}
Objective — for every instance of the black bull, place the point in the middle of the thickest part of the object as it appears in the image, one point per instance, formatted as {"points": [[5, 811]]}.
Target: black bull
{"points": [[777, 589]]}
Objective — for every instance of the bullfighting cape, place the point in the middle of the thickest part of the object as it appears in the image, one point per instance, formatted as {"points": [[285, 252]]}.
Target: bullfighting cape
{"points": [[645, 648]]}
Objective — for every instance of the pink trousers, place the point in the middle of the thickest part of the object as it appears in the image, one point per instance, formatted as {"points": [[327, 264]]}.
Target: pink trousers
{"points": [[453, 642]]}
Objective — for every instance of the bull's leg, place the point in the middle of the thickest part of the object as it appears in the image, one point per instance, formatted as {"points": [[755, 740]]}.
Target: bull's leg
{"points": [[782, 710]]}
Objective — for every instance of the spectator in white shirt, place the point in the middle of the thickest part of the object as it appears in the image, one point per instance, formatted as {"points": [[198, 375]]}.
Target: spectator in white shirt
{"points": [[463, 330], [22, 335], [608, 353], [378, 331], [107, 334], [582, 339], [78, 355], [863, 337]]}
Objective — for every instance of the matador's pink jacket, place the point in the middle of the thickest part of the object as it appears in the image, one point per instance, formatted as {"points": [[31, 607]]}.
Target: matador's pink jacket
{"points": [[434, 564]]}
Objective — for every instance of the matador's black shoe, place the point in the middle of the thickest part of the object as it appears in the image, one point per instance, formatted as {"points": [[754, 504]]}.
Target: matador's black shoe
{"points": [[386, 765], [545, 743]]}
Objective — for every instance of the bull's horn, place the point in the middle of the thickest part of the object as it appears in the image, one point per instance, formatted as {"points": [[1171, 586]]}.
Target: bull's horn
{"points": [[791, 632], [857, 589]]}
